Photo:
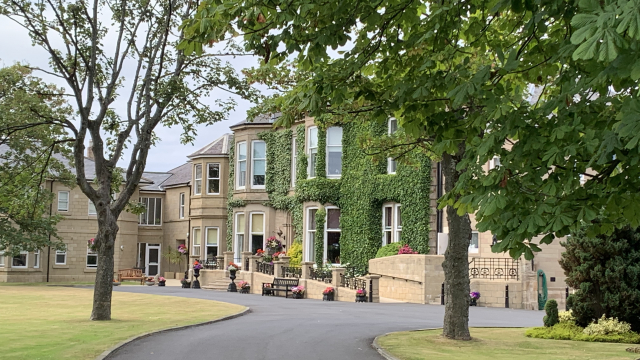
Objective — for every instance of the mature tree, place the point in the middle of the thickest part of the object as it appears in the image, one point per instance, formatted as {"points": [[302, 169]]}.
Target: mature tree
{"points": [[91, 45], [548, 85], [28, 157]]}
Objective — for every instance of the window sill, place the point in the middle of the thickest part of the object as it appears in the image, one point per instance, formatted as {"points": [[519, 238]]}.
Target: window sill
{"points": [[61, 266], [90, 270]]}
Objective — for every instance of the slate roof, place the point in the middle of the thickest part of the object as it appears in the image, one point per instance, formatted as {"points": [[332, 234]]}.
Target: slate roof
{"points": [[219, 146], [259, 120]]}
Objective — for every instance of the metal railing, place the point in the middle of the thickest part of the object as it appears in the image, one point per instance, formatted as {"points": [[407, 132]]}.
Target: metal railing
{"points": [[292, 272], [246, 264], [320, 275], [265, 268], [352, 283], [494, 269], [210, 265]]}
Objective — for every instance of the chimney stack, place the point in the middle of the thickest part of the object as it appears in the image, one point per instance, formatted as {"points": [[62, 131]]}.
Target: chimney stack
{"points": [[90, 150]]}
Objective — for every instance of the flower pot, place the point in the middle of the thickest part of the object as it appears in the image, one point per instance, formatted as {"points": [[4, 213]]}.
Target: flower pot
{"points": [[115, 283], [186, 285], [196, 272], [327, 297], [297, 295], [244, 290], [361, 298], [161, 283], [473, 302], [149, 283]]}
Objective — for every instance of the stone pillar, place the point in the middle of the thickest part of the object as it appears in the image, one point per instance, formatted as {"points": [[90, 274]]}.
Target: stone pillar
{"points": [[228, 257], [246, 255], [252, 262], [285, 260], [335, 276], [306, 266], [374, 280], [277, 269], [220, 262]]}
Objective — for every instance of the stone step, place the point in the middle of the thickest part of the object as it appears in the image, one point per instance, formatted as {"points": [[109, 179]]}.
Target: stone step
{"points": [[220, 284]]}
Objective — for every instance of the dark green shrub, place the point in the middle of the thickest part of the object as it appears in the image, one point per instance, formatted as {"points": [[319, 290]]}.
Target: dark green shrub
{"points": [[605, 270], [551, 308], [389, 250]]}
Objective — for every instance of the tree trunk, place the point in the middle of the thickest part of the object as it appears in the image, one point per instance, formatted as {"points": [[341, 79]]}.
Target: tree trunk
{"points": [[105, 240], [456, 262]]}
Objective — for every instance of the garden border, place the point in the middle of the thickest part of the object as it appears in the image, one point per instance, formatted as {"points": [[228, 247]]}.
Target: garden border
{"points": [[107, 353]]}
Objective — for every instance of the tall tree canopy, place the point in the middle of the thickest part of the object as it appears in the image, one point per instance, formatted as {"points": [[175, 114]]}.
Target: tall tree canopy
{"points": [[28, 157], [92, 45], [550, 86]]}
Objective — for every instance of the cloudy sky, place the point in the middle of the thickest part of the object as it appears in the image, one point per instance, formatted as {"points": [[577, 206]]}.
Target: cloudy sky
{"points": [[15, 46]]}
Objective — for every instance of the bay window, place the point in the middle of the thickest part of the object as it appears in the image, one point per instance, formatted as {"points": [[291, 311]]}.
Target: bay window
{"points": [[313, 151], [334, 152], [213, 179], [197, 183], [332, 236], [259, 164], [241, 170]]}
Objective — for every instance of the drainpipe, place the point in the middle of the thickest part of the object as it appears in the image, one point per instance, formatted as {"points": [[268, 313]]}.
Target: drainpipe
{"points": [[49, 247]]}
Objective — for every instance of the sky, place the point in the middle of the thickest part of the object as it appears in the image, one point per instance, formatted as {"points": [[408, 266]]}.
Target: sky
{"points": [[15, 46]]}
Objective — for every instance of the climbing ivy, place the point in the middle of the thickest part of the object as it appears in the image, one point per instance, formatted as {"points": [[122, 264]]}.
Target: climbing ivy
{"points": [[321, 158], [230, 202], [318, 238]]}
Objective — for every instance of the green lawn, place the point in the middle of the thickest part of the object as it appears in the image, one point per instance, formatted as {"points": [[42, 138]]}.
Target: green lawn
{"points": [[47, 322], [496, 344]]}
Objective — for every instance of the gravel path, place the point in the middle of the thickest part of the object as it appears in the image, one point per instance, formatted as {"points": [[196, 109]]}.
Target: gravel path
{"points": [[279, 328]]}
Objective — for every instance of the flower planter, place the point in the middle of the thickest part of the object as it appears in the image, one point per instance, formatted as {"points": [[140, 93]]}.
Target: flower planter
{"points": [[473, 302], [244, 290], [361, 298], [296, 295], [328, 297], [186, 285], [161, 283], [149, 283], [116, 283]]}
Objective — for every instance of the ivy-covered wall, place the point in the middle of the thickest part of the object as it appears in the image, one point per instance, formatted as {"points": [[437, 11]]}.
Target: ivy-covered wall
{"points": [[360, 193]]}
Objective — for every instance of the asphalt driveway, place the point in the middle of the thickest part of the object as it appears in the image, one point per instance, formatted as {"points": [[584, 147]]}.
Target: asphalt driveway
{"points": [[279, 328]]}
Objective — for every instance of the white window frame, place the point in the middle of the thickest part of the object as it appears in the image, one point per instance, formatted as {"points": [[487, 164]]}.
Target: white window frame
{"points": [[92, 254], [309, 236], [253, 163], [195, 246], [239, 238], [264, 230], [2, 262], [241, 182], [212, 178], [206, 238], [311, 166], [392, 164], [26, 261], [327, 151], [494, 163], [395, 229], [36, 262], [181, 205], [474, 250], [68, 200], [146, 212], [95, 211], [64, 253], [197, 181], [326, 232], [294, 161]]}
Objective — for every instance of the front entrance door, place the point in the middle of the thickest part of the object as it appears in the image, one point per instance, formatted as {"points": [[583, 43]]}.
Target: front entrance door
{"points": [[152, 260]]}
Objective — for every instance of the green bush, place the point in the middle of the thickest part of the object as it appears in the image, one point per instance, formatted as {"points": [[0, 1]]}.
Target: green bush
{"points": [[610, 326], [605, 271], [295, 252], [566, 317], [389, 250], [551, 308], [566, 331]]}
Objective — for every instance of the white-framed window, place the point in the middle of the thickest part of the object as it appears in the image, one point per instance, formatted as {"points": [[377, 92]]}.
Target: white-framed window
{"points": [[92, 258], [391, 163], [181, 206], [238, 246], [211, 241], [152, 214], [312, 148], [36, 259], [92, 208], [391, 223], [334, 152], [63, 201], [258, 164], [195, 247], [294, 162], [197, 183], [1, 259], [241, 170], [257, 231], [61, 257], [332, 236], [474, 244], [20, 261], [310, 252], [494, 163], [213, 179]]}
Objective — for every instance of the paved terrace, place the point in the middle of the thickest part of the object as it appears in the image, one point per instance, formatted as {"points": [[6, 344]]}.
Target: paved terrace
{"points": [[279, 328]]}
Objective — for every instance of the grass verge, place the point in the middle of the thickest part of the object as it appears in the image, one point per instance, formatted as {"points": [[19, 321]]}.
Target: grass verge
{"points": [[41, 322], [495, 344]]}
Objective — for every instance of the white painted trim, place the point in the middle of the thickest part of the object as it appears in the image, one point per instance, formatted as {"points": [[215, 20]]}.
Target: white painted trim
{"points": [[219, 178], [264, 228], [308, 249], [68, 200], [237, 167], [251, 184], [326, 232]]}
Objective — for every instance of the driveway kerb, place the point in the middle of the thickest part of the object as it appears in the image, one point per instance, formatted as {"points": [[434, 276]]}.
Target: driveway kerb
{"points": [[384, 353], [105, 355]]}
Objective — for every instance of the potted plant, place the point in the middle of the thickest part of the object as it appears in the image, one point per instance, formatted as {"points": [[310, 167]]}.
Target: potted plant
{"points": [[361, 295], [273, 245], [298, 292], [328, 294], [474, 295], [161, 281], [150, 281], [232, 267], [186, 284], [116, 282], [244, 287], [196, 272]]}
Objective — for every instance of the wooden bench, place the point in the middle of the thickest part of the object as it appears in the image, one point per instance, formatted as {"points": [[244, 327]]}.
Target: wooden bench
{"points": [[279, 284], [131, 274]]}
